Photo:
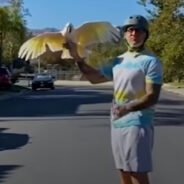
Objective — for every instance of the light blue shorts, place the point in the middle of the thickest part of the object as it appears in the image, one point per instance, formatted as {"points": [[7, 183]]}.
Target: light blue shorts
{"points": [[132, 148]]}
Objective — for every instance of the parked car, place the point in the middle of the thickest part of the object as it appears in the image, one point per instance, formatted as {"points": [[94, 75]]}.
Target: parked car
{"points": [[43, 80], [5, 78]]}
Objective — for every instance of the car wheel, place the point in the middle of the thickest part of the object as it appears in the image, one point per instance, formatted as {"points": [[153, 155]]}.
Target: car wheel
{"points": [[33, 88], [8, 86]]}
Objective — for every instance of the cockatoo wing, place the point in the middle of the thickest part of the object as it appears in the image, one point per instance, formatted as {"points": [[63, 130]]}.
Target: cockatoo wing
{"points": [[44, 43], [92, 33]]}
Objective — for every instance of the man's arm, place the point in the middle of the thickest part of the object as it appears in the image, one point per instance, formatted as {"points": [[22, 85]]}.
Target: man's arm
{"points": [[149, 99], [91, 74]]}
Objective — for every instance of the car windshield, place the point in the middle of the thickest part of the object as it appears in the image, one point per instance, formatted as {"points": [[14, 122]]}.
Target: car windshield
{"points": [[43, 76]]}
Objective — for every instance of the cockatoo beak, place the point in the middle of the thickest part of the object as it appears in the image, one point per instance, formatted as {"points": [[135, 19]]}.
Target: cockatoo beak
{"points": [[69, 28]]}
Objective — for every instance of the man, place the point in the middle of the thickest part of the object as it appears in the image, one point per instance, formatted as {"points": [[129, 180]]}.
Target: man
{"points": [[137, 78]]}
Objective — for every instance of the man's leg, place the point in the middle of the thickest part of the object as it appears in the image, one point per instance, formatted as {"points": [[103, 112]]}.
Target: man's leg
{"points": [[139, 178], [125, 177], [133, 178]]}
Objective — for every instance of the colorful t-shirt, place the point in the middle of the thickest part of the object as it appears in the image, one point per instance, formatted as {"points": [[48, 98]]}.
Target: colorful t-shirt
{"points": [[130, 72]]}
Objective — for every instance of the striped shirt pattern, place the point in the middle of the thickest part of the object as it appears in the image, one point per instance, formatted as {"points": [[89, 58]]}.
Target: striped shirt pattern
{"points": [[130, 72]]}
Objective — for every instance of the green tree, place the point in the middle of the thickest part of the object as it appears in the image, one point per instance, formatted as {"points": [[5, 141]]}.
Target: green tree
{"points": [[4, 27], [13, 28], [166, 39]]}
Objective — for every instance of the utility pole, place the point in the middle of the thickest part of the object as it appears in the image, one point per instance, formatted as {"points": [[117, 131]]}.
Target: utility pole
{"points": [[38, 65]]}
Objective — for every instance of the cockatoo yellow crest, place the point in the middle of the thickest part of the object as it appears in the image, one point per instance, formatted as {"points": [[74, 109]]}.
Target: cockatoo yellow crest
{"points": [[85, 36]]}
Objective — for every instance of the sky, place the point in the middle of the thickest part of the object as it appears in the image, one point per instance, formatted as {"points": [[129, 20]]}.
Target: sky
{"points": [[56, 13]]}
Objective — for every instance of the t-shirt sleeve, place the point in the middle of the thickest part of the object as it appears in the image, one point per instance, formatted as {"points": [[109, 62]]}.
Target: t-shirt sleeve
{"points": [[107, 69], [154, 72]]}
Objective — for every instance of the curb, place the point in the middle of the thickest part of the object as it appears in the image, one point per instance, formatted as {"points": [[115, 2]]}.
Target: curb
{"points": [[175, 90], [81, 83]]}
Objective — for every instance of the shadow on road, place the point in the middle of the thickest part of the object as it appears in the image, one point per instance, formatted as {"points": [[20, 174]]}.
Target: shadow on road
{"points": [[54, 103], [11, 140], [171, 102], [66, 101], [170, 111], [172, 119], [5, 171]]}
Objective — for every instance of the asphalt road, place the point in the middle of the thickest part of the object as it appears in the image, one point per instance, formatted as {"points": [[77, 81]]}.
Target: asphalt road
{"points": [[63, 136]]}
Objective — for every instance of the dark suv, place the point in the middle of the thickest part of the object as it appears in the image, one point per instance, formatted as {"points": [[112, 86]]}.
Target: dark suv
{"points": [[5, 78], [43, 80]]}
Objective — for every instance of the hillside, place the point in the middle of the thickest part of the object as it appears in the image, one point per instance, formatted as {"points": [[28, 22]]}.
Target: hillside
{"points": [[38, 31]]}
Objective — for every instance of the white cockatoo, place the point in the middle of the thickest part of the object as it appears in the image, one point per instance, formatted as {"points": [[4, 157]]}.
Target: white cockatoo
{"points": [[50, 44]]}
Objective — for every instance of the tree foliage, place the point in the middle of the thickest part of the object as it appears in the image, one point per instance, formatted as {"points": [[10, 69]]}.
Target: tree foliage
{"points": [[102, 54], [13, 29], [166, 38]]}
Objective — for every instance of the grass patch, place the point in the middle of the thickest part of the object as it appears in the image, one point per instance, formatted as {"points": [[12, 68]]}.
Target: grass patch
{"points": [[17, 88], [14, 89]]}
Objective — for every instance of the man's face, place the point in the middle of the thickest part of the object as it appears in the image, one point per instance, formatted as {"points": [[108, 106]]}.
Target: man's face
{"points": [[134, 36]]}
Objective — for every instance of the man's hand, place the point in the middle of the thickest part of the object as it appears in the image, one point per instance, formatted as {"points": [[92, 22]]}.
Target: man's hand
{"points": [[120, 110]]}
